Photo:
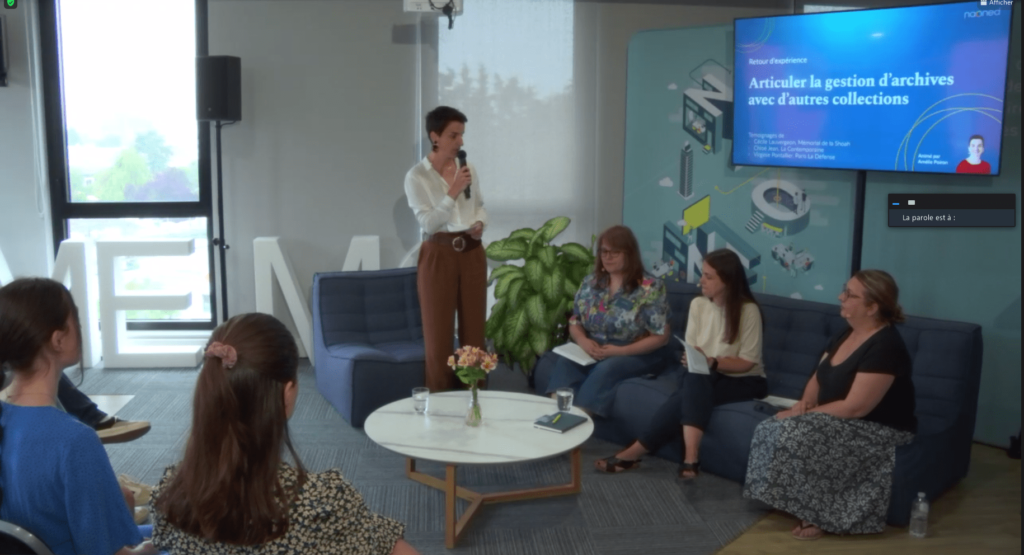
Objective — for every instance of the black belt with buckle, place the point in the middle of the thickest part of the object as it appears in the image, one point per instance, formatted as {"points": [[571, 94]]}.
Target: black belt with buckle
{"points": [[459, 242]]}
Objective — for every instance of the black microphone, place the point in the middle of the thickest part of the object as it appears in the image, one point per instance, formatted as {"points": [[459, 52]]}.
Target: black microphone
{"points": [[462, 164]]}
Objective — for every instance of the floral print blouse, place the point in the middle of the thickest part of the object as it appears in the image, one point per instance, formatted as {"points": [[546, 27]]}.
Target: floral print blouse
{"points": [[621, 317]]}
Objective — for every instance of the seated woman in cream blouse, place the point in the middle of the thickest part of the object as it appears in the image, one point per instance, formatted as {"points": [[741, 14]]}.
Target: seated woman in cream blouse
{"points": [[725, 325]]}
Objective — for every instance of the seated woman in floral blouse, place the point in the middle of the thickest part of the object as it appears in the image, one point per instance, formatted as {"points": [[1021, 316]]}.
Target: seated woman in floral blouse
{"points": [[232, 493], [725, 325], [620, 318]]}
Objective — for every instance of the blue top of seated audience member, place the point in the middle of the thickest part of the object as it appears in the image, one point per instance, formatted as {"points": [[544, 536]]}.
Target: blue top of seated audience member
{"points": [[621, 316], [58, 484]]}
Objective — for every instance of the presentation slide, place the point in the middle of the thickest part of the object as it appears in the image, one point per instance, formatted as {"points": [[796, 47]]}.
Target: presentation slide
{"points": [[914, 89]]}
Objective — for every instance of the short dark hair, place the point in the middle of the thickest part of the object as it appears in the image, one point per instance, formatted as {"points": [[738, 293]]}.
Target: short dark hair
{"points": [[976, 137], [439, 118]]}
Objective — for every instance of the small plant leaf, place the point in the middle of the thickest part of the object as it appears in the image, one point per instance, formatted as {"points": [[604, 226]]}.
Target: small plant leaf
{"points": [[506, 249], [570, 287], [494, 322], [514, 291], [516, 326], [504, 271], [580, 272], [525, 233], [539, 340], [558, 311], [491, 329], [537, 312], [535, 273], [546, 255], [499, 338], [504, 285], [524, 351], [498, 310], [552, 228], [553, 289], [577, 252]]}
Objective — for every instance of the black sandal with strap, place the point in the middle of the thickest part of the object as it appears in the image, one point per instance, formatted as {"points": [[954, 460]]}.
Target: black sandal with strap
{"points": [[689, 467], [614, 465]]}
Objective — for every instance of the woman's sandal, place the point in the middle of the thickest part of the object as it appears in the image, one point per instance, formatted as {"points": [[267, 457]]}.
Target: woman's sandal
{"points": [[614, 465], [689, 467], [804, 525]]}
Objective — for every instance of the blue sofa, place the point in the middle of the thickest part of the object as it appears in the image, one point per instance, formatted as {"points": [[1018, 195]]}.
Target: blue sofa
{"points": [[367, 339], [947, 371]]}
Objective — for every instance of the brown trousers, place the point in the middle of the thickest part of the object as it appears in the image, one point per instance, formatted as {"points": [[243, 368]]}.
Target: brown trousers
{"points": [[449, 281]]}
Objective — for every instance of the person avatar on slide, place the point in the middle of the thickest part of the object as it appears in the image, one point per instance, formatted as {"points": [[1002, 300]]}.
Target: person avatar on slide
{"points": [[973, 163]]}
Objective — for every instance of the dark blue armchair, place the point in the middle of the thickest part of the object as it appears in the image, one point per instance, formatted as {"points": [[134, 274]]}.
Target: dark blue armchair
{"points": [[367, 338]]}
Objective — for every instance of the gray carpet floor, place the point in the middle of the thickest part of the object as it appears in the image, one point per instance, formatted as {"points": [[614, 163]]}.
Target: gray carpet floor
{"points": [[647, 511]]}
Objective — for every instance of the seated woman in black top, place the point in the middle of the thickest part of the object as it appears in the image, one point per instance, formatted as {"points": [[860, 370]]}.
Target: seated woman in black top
{"points": [[829, 459]]}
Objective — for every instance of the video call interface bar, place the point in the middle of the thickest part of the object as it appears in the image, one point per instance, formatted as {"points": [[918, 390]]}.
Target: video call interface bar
{"points": [[949, 210]]}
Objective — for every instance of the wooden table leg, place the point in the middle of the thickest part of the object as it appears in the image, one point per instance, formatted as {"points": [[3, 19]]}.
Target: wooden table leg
{"points": [[449, 506], [576, 474], [455, 527]]}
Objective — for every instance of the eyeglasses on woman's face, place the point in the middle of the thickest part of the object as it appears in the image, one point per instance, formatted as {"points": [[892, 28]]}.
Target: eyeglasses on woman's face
{"points": [[609, 253], [847, 294]]}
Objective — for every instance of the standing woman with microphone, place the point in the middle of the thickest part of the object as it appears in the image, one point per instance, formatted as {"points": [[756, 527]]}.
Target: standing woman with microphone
{"points": [[444, 193]]}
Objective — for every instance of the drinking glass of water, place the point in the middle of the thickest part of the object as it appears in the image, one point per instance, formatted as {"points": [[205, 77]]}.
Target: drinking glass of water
{"points": [[420, 398], [564, 397]]}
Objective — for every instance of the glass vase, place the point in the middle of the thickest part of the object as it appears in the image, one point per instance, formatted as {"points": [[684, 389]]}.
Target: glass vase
{"points": [[473, 416]]}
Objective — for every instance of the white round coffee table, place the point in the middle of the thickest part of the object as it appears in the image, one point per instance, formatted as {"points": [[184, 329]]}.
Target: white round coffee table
{"points": [[506, 435]]}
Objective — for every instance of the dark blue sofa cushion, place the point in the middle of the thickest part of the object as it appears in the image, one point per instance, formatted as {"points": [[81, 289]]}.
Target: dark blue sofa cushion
{"points": [[368, 339]]}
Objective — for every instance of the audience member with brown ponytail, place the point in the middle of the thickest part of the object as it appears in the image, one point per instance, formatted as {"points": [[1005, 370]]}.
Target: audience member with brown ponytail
{"points": [[55, 477], [233, 493]]}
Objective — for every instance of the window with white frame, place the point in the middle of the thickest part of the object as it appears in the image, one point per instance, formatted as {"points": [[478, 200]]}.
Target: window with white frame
{"points": [[508, 65]]}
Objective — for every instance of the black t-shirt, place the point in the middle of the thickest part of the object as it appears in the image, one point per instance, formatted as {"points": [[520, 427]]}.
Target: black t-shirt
{"points": [[883, 353]]}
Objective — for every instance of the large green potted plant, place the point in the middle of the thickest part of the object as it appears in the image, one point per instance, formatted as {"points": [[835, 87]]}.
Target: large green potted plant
{"points": [[534, 300]]}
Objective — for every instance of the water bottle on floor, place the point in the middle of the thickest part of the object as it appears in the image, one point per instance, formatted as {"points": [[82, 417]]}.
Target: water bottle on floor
{"points": [[919, 516]]}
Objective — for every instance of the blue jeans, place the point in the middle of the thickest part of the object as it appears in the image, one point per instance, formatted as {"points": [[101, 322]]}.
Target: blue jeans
{"points": [[594, 386]]}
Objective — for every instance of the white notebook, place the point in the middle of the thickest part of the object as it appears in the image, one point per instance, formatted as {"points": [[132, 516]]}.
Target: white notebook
{"points": [[695, 361], [574, 353], [781, 402]]}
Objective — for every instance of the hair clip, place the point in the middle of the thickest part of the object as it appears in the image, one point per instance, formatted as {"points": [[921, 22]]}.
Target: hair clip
{"points": [[226, 353]]}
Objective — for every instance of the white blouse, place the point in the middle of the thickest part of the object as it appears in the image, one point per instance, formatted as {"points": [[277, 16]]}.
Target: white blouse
{"points": [[435, 211], [705, 328]]}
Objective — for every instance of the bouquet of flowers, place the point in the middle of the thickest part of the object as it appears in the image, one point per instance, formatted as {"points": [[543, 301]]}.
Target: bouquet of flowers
{"points": [[472, 364]]}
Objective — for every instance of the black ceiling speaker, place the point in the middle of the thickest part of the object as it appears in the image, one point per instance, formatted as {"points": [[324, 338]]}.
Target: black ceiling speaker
{"points": [[218, 88]]}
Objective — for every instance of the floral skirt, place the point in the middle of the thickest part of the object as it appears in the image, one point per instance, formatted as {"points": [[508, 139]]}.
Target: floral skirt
{"points": [[833, 472]]}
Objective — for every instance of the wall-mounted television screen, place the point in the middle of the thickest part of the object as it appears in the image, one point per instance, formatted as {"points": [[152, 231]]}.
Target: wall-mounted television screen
{"points": [[912, 89]]}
